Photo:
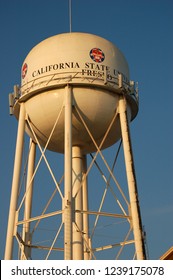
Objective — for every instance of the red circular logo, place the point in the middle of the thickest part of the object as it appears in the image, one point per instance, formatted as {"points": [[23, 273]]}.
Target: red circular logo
{"points": [[24, 70], [97, 55]]}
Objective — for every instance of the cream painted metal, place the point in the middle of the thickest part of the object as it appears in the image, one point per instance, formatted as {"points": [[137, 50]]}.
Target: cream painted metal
{"points": [[75, 98], [15, 184], [77, 241], [28, 202], [86, 241], [68, 176], [66, 59], [131, 178]]}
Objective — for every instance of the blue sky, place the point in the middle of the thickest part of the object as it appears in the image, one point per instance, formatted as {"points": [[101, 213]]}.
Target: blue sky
{"points": [[142, 29]]}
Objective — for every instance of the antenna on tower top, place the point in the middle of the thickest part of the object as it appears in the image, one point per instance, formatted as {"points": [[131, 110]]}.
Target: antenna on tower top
{"points": [[70, 16]]}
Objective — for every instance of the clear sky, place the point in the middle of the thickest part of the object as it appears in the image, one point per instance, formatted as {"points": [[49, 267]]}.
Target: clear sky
{"points": [[142, 29]]}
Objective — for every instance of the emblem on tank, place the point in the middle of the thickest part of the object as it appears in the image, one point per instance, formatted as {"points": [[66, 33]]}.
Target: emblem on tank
{"points": [[97, 55], [24, 70]]}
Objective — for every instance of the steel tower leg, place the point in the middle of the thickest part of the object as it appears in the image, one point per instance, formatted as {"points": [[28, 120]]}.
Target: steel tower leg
{"points": [[15, 184], [77, 242], [131, 179], [68, 175], [28, 200], [85, 208]]}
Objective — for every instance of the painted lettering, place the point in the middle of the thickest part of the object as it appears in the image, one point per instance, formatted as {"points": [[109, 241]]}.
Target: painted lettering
{"points": [[59, 66]]}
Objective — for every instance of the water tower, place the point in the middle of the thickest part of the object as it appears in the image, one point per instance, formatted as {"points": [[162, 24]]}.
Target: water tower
{"points": [[76, 99]]}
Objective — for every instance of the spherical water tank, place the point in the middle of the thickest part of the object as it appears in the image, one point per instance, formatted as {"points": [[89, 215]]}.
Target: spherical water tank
{"points": [[90, 64]]}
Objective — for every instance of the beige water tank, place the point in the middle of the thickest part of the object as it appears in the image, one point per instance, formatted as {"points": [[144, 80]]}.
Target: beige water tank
{"points": [[91, 65]]}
